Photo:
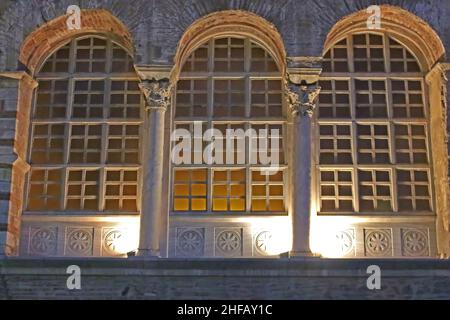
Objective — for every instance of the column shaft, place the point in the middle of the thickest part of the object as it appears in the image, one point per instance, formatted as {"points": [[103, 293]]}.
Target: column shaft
{"points": [[302, 98], [301, 186], [152, 184], [157, 94]]}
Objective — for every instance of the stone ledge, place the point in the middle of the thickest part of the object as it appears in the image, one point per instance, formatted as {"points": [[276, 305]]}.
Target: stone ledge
{"points": [[223, 279], [218, 265]]}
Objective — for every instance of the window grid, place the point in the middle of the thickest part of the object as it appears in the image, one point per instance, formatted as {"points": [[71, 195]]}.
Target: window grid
{"points": [[229, 190], [190, 189], [58, 61], [336, 190], [413, 190], [227, 83], [88, 99], [370, 99], [45, 189], [407, 99], [266, 98], [401, 59], [121, 190], [48, 144], [400, 110], [373, 143], [267, 191], [83, 189], [51, 99], [125, 100], [85, 109], [334, 99], [375, 190], [368, 53], [123, 144], [337, 59], [411, 143], [335, 144]]}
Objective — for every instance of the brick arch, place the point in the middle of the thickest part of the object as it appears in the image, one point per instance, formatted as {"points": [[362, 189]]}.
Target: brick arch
{"points": [[231, 22], [42, 42], [406, 27]]}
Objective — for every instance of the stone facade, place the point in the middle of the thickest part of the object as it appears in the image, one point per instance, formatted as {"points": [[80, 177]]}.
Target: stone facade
{"points": [[228, 279], [160, 35]]}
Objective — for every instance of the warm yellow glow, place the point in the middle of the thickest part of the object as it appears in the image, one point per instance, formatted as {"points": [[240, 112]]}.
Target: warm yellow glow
{"points": [[124, 238], [332, 237], [272, 236]]}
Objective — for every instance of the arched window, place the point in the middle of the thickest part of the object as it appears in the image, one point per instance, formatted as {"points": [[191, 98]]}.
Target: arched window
{"points": [[373, 129], [86, 120], [229, 83]]}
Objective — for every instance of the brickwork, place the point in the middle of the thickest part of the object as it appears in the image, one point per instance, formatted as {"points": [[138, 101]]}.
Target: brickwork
{"points": [[238, 280]]}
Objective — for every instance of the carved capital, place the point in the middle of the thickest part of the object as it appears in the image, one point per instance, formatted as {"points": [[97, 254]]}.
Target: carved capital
{"points": [[302, 98], [157, 93]]}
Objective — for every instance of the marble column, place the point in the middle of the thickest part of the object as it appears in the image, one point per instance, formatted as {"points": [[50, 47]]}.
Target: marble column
{"points": [[302, 104], [157, 95]]}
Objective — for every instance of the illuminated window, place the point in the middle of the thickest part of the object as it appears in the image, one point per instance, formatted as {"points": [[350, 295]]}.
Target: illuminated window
{"points": [[373, 144], [413, 190], [45, 189], [190, 189], [268, 191], [232, 85], [86, 121], [373, 154], [229, 190], [83, 189], [121, 190], [48, 144], [411, 143], [375, 190]]}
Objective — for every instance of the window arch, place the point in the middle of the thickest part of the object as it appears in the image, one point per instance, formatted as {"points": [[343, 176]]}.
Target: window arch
{"points": [[229, 82], [86, 120], [373, 128]]}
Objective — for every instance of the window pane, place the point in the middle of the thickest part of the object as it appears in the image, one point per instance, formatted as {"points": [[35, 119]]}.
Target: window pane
{"points": [[77, 139]]}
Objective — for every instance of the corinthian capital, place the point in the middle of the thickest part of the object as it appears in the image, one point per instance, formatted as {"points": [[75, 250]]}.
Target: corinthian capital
{"points": [[156, 92], [302, 98]]}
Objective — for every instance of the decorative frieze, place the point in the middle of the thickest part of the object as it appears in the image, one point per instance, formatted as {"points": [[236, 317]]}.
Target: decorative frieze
{"points": [[79, 241], [378, 242], [415, 242], [345, 242], [112, 238], [43, 241], [263, 242], [190, 242], [228, 242]]}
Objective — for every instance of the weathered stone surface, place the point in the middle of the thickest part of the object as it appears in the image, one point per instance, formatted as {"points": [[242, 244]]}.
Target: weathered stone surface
{"points": [[154, 28], [225, 279], [157, 26]]}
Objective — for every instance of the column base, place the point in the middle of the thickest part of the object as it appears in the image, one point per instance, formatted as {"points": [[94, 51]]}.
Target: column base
{"points": [[147, 254], [303, 255]]}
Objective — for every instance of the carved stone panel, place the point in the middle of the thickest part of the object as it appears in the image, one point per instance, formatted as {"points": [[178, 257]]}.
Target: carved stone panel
{"points": [[345, 242], [415, 243], [190, 242], [79, 241], [378, 242], [43, 241], [228, 242]]}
